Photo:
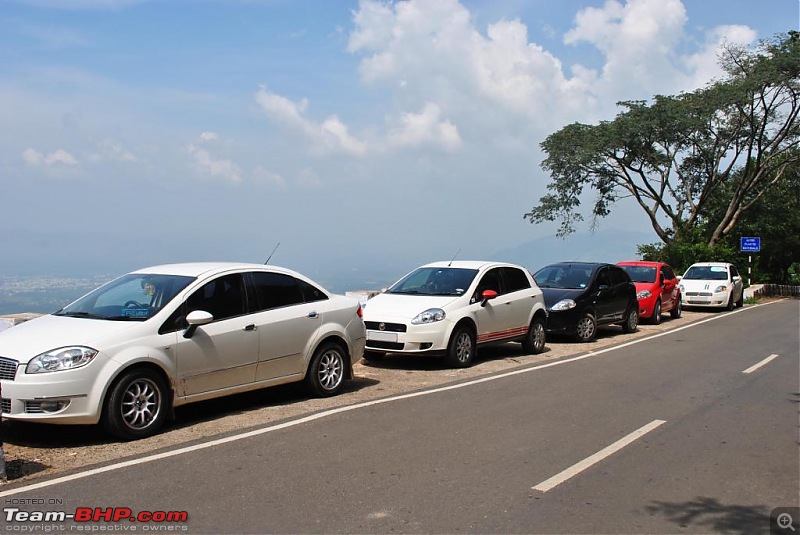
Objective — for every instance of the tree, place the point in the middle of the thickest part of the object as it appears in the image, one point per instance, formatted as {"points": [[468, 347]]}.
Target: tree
{"points": [[730, 142]]}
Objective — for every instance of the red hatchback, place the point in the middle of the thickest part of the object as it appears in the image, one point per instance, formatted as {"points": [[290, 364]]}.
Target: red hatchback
{"points": [[657, 289]]}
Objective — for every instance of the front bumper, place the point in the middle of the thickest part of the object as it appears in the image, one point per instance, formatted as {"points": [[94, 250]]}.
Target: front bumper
{"points": [[68, 397], [707, 300], [403, 337], [562, 321]]}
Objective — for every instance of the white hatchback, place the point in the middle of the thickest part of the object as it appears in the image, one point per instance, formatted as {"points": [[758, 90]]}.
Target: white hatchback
{"points": [[449, 308], [130, 351], [712, 284]]}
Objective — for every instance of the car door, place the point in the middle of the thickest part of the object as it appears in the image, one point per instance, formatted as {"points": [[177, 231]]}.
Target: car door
{"points": [[738, 283], [604, 296], [669, 285], [223, 353], [518, 295], [289, 313], [491, 316]]}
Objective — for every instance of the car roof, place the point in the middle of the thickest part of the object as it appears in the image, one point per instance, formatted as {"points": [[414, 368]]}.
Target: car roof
{"points": [[592, 265], [643, 263], [196, 269], [712, 264], [470, 264]]}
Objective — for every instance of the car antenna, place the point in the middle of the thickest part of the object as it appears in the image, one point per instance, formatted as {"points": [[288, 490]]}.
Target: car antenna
{"points": [[454, 257], [272, 253]]}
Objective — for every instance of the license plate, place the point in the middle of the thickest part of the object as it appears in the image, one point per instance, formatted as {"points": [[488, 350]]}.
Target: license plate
{"points": [[380, 336]]}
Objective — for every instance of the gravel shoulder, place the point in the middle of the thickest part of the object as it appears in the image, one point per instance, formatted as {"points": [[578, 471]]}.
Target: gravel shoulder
{"points": [[36, 451]]}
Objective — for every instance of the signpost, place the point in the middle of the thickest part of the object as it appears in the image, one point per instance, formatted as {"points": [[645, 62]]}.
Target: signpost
{"points": [[750, 245]]}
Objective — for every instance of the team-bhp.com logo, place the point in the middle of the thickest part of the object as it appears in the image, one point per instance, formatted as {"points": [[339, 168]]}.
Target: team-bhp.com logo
{"points": [[95, 514]]}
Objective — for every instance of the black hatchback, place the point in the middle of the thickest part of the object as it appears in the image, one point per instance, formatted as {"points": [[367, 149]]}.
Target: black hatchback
{"points": [[580, 296]]}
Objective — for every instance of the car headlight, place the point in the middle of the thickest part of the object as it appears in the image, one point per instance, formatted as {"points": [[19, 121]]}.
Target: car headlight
{"points": [[564, 304], [60, 359], [680, 286], [644, 294], [720, 288], [431, 315]]}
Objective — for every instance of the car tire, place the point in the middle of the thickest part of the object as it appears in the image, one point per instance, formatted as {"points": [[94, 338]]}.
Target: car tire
{"points": [[729, 306], [586, 328], [536, 338], [740, 302], [326, 371], [461, 348], [676, 311], [655, 319], [371, 356], [631, 322], [136, 405]]}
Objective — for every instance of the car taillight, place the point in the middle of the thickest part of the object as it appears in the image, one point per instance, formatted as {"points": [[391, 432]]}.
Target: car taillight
{"points": [[360, 312]]}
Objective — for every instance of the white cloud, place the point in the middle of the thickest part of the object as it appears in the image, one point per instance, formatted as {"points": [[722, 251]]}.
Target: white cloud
{"points": [[58, 157], [32, 157], [263, 176], [216, 168], [208, 136], [425, 128], [330, 136]]}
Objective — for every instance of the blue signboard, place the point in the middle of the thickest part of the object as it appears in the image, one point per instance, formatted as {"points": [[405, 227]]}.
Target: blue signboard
{"points": [[751, 245]]}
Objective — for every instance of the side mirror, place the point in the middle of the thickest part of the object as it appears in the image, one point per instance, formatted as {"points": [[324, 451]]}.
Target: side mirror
{"points": [[486, 295], [195, 319]]}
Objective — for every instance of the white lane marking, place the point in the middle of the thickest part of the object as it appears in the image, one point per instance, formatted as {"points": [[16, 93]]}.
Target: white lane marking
{"points": [[754, 367], [324, 414], [577, 468]]}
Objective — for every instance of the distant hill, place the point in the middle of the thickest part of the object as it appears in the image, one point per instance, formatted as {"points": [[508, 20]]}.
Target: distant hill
{"points": [[605, 246]]}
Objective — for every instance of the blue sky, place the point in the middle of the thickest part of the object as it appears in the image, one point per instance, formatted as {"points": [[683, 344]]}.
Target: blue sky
{"points": [[362, 136]]}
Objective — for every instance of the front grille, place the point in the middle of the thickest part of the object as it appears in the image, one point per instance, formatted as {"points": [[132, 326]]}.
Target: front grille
{"points": [[33, 407], [389, 327], [5, 406], [8, 369], [700, 294], [396, 346]]}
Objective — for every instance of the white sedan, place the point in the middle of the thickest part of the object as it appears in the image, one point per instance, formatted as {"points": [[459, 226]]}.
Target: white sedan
{"points": [[130, 351], [712, 284], [449, 308]]}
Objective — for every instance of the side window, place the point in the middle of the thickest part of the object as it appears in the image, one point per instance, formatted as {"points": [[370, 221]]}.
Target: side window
{"points": [[734, 272], [618, 276], [311, 293], [274, 290], [223, 297], [603, 277], [515, 279], [489, 281], [667, 272]]}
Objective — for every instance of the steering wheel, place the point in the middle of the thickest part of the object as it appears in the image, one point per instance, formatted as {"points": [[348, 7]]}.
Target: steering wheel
{"points": [[134, 304]]}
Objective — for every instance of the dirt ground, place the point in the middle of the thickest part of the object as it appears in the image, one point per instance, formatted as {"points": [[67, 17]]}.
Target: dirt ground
{"points": [[34, 451]]}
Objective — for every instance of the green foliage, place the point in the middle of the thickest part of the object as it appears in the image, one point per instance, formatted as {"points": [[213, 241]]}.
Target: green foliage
{"points": [[688, 249], [696, 163]]}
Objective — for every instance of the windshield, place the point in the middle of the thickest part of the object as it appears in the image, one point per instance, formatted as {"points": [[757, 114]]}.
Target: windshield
{"points": [[641, 273], [566, 277], [708, 273], [132, 297], [435, 281]]}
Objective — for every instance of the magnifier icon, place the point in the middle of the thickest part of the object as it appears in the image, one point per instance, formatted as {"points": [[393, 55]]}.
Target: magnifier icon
{"points": [[785, 521]]}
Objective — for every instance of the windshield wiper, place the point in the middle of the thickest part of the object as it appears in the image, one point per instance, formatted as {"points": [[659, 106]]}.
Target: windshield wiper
{"points": [[82, 315]]}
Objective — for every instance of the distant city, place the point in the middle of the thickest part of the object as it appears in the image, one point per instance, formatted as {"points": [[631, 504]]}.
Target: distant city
{"points": [[43, 294]]}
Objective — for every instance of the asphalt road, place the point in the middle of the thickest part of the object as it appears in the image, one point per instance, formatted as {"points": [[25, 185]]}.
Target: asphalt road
{"points": [[519, 452]]}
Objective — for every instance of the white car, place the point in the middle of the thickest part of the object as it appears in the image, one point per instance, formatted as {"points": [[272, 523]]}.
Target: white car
{"points": [[130, 351], [712, 284], [449, 308]]}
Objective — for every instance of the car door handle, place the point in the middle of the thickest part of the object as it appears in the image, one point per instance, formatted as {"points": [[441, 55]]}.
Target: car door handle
{"points": [[251, 327], [313, 314]]}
